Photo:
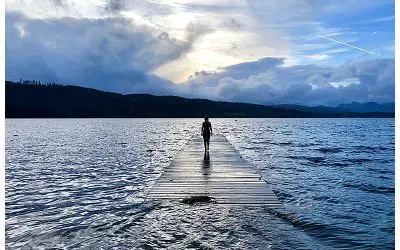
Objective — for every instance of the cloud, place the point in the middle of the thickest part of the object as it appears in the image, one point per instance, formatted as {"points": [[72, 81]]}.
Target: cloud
{"points": [[60, 3], [232, 24], [318, 57], [196, 30], [118, 45], [378, 20], [108, 53], [115, 5], [334, 51], [266, 81]]}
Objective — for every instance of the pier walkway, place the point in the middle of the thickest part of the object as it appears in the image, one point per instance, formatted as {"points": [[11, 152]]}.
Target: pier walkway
{"points": [[222, 174]]}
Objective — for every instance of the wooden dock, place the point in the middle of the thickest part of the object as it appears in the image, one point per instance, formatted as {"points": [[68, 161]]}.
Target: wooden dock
{"points": [[221, 174]]}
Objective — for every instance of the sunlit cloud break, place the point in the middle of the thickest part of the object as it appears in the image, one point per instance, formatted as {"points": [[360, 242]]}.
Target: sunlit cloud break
{"points": [[235, 50]]}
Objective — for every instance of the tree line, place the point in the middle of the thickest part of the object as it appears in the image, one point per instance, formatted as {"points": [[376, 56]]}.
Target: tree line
{"points": [[33, 99]]}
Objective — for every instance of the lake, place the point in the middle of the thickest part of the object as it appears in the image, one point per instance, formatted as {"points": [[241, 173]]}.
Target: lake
{"points": [[82, 183]]}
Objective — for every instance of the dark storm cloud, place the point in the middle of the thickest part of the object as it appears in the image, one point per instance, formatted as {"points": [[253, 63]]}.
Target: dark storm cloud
{"points": [[110, 53]]}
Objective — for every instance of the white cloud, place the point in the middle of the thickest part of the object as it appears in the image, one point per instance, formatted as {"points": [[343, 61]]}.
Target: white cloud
{"points": [[345, 82], [21, 30], [378, 20], [318, 57], [334, 51], [265, 81]]}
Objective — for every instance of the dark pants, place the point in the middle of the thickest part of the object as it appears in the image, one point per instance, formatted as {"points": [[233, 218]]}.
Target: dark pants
{"points": [[206, 137]]}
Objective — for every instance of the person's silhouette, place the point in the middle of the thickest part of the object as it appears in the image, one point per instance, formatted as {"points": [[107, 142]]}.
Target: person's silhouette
{"points": [[206, 132]]}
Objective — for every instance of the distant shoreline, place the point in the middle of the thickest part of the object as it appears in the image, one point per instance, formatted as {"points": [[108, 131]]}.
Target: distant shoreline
{"points": [[66, 101]]}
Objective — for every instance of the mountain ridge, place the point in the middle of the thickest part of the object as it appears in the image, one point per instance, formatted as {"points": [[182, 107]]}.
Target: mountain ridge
{"points": [[357, 107], [28, 100]]}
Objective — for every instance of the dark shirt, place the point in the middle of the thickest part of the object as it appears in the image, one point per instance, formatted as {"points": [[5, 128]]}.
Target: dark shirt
{"points": [[206, 127]]}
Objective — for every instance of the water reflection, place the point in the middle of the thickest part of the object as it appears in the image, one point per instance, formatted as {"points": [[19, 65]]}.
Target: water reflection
{"points": [[83, 190], [206, 165]]}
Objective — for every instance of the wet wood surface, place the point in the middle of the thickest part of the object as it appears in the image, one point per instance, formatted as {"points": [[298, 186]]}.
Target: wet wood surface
{"points": [[221, 173]]}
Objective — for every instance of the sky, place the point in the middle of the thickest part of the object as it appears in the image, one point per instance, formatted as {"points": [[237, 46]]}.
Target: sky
{"points": [[309, 52]]}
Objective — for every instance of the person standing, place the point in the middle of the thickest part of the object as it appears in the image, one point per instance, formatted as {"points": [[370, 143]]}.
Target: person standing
{"points": [[206, 132]]}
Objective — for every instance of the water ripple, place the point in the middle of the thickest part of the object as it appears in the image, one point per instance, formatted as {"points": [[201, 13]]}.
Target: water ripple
{"points": [[82, 183]]}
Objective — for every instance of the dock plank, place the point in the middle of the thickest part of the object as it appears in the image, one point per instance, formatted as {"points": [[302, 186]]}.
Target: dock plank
{"points": [[221, 174]]}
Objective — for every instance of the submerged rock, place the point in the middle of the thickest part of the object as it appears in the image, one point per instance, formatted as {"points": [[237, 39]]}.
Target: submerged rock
{"points": [[198, 199]]}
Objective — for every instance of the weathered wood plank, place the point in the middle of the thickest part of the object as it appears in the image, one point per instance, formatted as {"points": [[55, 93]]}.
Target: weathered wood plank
{"points": [[221, 174]]}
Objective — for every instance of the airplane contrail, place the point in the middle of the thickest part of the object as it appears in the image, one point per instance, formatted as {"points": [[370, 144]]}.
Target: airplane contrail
{"points": [[333, 40]]}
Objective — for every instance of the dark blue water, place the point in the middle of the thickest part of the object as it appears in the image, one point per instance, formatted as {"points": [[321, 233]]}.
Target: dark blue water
{"points": [[81, 183]]}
